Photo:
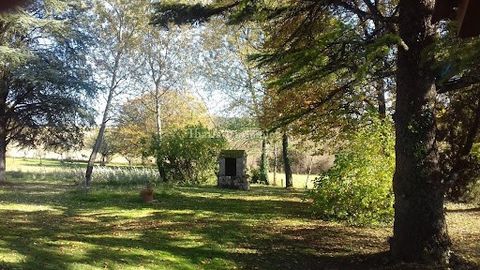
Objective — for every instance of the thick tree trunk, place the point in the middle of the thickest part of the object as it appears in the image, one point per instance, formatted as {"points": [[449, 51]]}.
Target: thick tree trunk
{"points": [[420, 231], [99, 140], [286, 161], [264, 160]]}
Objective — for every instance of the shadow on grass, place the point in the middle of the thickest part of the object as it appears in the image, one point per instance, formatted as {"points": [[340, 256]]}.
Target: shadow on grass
{"points": [[468, 210], [187, 228], [270, 251]]}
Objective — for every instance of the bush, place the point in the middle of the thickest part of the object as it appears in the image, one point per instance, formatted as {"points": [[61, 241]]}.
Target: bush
{"points": [[358, 189], [188, 155], [256, 176]]}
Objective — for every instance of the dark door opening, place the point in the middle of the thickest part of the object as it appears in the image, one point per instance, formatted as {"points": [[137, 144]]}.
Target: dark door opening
{"points": [[230, 166]]}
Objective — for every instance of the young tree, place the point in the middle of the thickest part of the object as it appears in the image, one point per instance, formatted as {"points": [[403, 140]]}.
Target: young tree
{"points": [[165, 55], [119, 24], [45, 82]]}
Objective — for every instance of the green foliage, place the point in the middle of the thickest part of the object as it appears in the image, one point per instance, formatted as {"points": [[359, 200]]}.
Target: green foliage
{"points": [[358, 188], [166, 12], [258, 177], [136, 121], [45, 79], [188, 155]]}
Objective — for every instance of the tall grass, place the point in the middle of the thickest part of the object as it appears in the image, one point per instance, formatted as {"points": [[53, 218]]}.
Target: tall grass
{"points": [[102, 176], [124, 176]]}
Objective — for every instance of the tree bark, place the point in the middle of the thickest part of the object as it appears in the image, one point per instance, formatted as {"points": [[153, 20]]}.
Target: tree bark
{"points": [[286, 161], [275, 163], [457, 181], [103, 163], [420, 231], [158, 112], [264, 160], [3, 154], [99, 140], [3, 130], [382, 103], [310, 163]]}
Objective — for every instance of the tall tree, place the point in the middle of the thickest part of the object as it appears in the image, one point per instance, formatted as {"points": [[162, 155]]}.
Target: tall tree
{"points": [[119, 24], [165, 69], [45, 83], [420, 230]]}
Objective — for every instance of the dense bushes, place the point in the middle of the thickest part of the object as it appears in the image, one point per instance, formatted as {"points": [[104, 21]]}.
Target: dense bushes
{"points": [[188, 155], [358, 189]]}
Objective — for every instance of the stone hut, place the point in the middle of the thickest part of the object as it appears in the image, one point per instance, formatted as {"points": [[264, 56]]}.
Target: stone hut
{"points": [[233, 170]]}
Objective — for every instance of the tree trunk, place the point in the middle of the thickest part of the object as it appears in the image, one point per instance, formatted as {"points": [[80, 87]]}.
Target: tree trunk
{"points": [[99, 140], [286, 161], [457, 182], [420, 231], [104, 161], [310, 163], [3, 154], [275, 163], [382, 103], [3, 131], [158, 112], [264, 160]]}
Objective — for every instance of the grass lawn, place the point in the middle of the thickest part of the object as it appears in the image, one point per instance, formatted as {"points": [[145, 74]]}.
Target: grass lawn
{"points": [[47, 223]]}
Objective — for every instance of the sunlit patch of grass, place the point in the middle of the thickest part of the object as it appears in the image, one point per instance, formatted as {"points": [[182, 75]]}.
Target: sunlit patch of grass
{"points": [[27, 207], [8, 256]]}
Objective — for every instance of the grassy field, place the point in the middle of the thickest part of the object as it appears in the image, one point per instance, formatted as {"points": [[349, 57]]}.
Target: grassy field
{"points": [[299, 180], [48, 223]]}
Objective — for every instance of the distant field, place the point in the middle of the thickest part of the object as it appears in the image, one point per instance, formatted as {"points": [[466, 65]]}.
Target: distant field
{"points": [[35, 165], [299, 180], [30, 164]]}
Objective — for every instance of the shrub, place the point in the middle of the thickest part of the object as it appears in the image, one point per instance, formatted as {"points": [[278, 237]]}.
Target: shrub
{"points": [[358, 189], [255, 176], [188, 155]]}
